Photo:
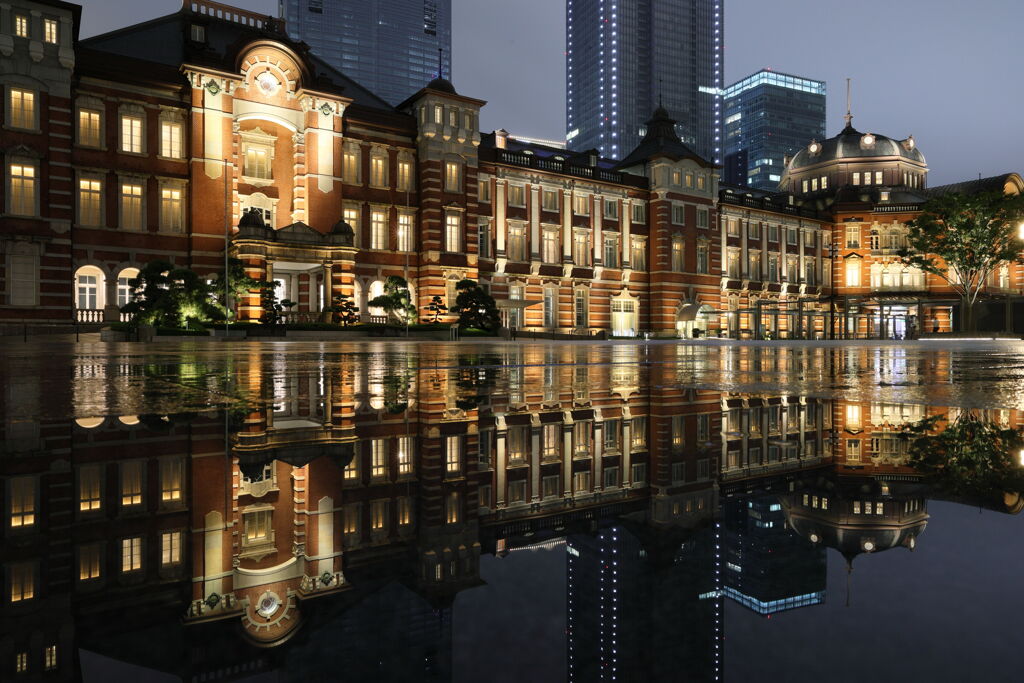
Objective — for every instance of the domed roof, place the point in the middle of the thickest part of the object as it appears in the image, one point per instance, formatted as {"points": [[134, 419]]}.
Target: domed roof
{"points": [[442, 85], [343, 233], [852, 144]]}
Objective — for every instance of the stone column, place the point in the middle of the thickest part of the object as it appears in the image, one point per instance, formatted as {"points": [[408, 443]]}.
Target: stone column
{"points": [[111, 313]]}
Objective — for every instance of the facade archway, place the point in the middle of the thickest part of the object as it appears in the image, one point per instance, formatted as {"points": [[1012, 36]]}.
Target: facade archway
{"points": [[90, 289], [693, 319], [375, 289], [624, 315], [124, 288]]}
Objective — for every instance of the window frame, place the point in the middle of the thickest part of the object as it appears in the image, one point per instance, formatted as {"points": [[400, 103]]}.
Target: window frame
{"points": [[31, 96]]}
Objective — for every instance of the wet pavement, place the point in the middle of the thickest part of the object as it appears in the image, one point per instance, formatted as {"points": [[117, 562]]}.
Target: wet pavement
{"points": [[392, 511]]}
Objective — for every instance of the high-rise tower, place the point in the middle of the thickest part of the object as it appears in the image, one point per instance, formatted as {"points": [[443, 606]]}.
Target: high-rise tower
{"points": [[769, 116], [388, 46], [624, 58]]}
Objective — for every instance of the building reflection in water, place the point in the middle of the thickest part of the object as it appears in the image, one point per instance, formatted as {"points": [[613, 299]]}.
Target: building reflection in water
{"points": [[331, 517]]}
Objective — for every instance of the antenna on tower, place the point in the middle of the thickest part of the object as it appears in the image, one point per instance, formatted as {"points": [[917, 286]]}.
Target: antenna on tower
{"points": [[440, 62], [659, 95], [849, 116]]}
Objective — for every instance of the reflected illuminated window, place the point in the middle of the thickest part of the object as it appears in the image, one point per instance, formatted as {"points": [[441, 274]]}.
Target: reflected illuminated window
{"points": [[89, 561], [131, 483], [22, 581], [131, 554], [378, 515], [378, 458], [404, 511], [171, 480], [170, 548], [453, 454], [89, 488], [404, 453], [452, 507], [22, 505]]}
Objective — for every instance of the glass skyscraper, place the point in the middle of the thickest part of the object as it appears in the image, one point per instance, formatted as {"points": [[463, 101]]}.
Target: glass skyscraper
{"points": [[388, 46], [624, 56], [769, 116]]}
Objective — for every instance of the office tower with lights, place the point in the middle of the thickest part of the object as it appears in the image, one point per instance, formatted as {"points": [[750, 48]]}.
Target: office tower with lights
{"points": [[623, 58], [388, 46], [769, 116]]}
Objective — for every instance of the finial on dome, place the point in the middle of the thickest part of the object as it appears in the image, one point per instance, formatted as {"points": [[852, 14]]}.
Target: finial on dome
{"points": [[849, 116]]}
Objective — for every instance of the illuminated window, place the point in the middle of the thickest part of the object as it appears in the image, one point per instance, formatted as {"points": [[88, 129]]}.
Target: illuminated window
{"points": [[581, 482], [611, 251], [549, 200], [453, 232], [352, 469], [453, 176], [853, 273], [22, 505], [404, 511], [580, 307], [171, 209], [878, 177], [551, 246], [257, 162], [170, 140], [580, 205], [21, 25], [22, 581], [22, 109], [438, 114], [516, 243], [21, 662], [378, 229], [701, 180], [516, 195], [90, 196], [378, 458], [131, 483], [405, 232], [484, 191], [856, 178], [639, 213], [50, 657], [404, 453], [131, 134], [89, 488], [258, 527], [131, 205], [702, 257], [638, 255], [451, 508], [172, 472], [50, 31], [689, 179], [350, 165], [351, 515], [378, 515], [131, 554], [378, 169], [611, 208], [677, 177], [170, 547], [638, 433], [453, 454], [22, 201], [581, 248], [89, 561], [352, 216], [405, 175]]}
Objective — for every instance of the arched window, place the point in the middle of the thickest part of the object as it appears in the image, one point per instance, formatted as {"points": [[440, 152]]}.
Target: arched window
{"points": [[89, 283], [376, 289], [124, 289]]}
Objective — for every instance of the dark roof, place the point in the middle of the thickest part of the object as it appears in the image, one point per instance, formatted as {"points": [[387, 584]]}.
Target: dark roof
{"points": [[442, 85], [166, 40], [847, 145], [661, 140], [991, 184]]}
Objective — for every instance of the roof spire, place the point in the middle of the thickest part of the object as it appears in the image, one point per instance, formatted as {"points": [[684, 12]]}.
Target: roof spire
{"points": [[440, 62], [660, 105], [849, 116]]}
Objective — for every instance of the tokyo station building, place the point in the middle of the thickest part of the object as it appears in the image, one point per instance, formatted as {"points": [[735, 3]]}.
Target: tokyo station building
{"points": [[209, 131]]}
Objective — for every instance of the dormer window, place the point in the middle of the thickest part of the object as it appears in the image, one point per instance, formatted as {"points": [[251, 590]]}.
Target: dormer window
{"points": [[197, 33]]}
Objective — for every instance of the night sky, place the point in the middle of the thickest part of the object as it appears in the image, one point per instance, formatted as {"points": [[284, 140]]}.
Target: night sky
{"points": [[946, 71]]}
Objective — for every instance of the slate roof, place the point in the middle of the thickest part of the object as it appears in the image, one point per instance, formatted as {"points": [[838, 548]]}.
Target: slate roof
{"points": [[661, 140], [166, 41], [847, 145]]}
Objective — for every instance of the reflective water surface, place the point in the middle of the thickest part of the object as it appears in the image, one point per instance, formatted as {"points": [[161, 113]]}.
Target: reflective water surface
{"points": [[540, 512]]}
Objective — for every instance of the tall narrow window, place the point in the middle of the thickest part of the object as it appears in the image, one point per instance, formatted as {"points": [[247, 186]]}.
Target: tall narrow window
{"points": [[404, 454], [22, 505], [258, 528], [172, 473], [702, 258], [89, 561], [551, 247], [453, 454], [550, 200], [677, 255], [131, 554], [21, 25], [350, 165], [638, 255], [131, 134], [378, 515], [50, 657], [170, 140], [484, 239], [580, 205], [87, 291], [89, 132], [90, 192], [22, 581], [404, 509], [22, 108], [452, 176], [405, 175], [23, 189], [131, 483], [703, 218], [378, 229], [50, 31], [581, 248], [679, 214], [516, 243], [89, 488], [853, 273], [639, 215], [580, 307], [405, 232], [379, 169], [378, 458], [451, 508], [611, 251], [170, 209], [131, 205], [257, 162], [453, 232], [170, 547], [550, 307], [352, 215]]}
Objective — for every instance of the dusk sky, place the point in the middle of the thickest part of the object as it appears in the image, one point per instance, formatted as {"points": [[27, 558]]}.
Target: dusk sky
{"points": [[945, 71]]}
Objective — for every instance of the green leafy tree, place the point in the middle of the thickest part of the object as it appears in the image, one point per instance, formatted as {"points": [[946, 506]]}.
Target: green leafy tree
{"points": [[435, 309], [344, 310], [475, 307], [396, 301], [963, 239], [166, 296], [273, 308], [971, 459], [240, 284]]}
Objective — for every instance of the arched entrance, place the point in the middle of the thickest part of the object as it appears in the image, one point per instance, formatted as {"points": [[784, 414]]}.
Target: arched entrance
{"points": [[692, 320]]}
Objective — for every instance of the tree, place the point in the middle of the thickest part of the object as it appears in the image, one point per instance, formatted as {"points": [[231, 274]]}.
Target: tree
{"points": [[396, 300], [240, 284], [272, 307], [963, 239], [345, 311], [475, 307], [167, 296], [435, 309]]}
